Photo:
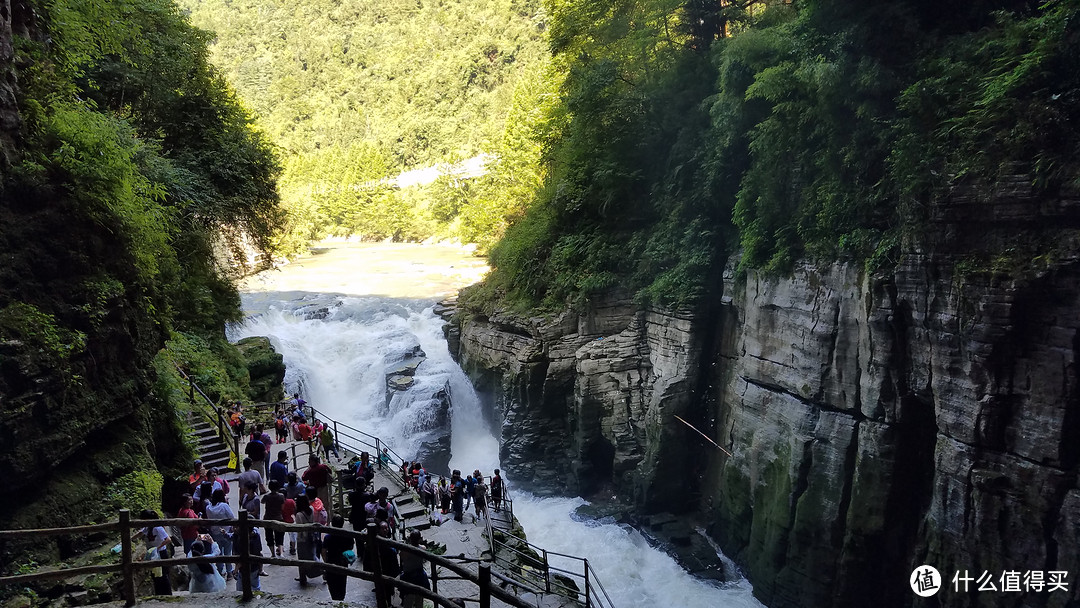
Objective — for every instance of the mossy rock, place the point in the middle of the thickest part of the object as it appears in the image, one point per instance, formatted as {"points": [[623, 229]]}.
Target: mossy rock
{"points": [[567, 584], [266, 369]]}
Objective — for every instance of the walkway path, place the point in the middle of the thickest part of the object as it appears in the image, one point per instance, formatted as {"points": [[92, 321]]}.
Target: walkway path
{"points": [[464, 539]]}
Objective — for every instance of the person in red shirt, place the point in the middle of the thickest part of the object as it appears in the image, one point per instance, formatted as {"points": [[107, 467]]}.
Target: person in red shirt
{"points": [[188, 533], [304, 430], [288, 509], [318, 476]]}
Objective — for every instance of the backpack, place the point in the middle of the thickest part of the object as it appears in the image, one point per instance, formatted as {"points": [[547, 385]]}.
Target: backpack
{"points": [[279, 424]]}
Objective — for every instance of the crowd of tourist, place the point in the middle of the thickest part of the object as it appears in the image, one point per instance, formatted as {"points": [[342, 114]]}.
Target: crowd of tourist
{"points": [[274, 491], [456, 495]]}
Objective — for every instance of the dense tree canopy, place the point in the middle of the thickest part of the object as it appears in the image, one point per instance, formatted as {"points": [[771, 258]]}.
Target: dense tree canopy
{"points": [[128, 170], [133, 139], [654, 137], [355, 91], [688, 130]]}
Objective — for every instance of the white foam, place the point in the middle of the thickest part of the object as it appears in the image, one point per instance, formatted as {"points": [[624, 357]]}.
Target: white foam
{"points": [[340, 363]]}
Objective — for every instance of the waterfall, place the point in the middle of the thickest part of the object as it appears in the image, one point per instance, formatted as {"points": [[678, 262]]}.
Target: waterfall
{"points": [[338, 350]]}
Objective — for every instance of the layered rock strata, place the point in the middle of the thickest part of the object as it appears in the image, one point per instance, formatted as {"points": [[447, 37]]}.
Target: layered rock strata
{"points": [[877, 422]]}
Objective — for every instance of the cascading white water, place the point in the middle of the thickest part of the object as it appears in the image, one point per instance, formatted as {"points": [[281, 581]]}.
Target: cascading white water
{"points": [[632, 572], [337, 349]]}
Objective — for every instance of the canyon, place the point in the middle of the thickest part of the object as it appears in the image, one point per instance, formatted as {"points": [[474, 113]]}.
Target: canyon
{"points": [[924, 414]]}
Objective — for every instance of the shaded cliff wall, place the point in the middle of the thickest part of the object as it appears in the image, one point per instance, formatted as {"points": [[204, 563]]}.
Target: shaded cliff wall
{"points": [[926, 415], [78, 333], [585, 400]]}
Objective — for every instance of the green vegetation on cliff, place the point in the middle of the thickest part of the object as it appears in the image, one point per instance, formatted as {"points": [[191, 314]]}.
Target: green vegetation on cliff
{"points": [[356, 91], [684, 131], [129, 170]]}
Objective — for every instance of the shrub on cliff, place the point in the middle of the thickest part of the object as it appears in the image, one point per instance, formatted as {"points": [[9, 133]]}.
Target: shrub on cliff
{"points": [[684, 131], [135, 491], [134, 165]]}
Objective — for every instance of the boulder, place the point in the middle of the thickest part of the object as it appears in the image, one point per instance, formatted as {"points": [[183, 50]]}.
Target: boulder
{"points": [[266, 368]]}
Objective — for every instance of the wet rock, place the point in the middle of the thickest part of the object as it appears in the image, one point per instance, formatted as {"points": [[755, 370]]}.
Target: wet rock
{"points": [[446, 308], [435, 454], [675, 535], [400, 383], [401, 376], [607, 511], [407, 368], [317, 312], [407, 349]]}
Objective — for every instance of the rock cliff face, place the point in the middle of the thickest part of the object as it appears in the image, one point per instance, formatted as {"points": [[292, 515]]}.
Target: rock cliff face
{"points": [[927, 415], [585, 399]]}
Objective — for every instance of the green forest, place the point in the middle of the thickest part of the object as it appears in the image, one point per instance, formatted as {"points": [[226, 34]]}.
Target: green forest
{"points": [[640, 143], [686, 131], [354, 92]]}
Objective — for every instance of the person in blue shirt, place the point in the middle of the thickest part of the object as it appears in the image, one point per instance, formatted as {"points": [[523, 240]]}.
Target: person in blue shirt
{"points": [[470, 483], [279, 471], [298, 405]]}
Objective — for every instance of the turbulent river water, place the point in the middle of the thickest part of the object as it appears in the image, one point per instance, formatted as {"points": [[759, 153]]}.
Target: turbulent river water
{"points": [[340, 317]]}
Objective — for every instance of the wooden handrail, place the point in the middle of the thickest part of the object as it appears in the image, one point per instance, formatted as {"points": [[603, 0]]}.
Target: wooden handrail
{"points": [[506, 499], [243, 524], [106, 527]]}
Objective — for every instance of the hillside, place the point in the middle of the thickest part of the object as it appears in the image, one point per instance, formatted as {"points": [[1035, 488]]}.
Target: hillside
{"points": [[356, 91], [810, 130]]}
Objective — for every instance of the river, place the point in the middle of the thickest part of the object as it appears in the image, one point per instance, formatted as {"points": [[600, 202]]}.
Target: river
{"points": [[341, 316]]}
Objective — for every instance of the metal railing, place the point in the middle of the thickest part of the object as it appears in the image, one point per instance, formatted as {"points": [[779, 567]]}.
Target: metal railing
{"points": [[128, 566], [532, 565], [215, 414], [532, 572]]}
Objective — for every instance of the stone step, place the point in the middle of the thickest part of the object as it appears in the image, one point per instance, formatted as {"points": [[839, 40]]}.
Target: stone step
{"points": [[216, 458], [406, 499], [204, 432], [414, 511], [420, 524]]}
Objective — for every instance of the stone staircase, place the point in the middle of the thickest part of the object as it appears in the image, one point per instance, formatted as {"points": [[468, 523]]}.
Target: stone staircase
{"points": [[208, 445], [413, 514]]}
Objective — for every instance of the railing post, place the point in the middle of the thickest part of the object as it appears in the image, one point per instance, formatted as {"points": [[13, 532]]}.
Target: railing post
{"points": [[236, 450], [547, 572], [484, 580], [337, 444], [125, 557], [243, 552], [296, 465], [378, 453], [340, 492], [434, 578], [381, 601], [586, 583]]}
